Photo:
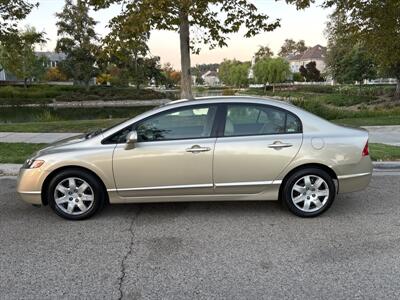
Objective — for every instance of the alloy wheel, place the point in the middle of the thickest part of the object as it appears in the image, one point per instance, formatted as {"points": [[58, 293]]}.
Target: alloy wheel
{"points": [[74, 196], [310, 193]]}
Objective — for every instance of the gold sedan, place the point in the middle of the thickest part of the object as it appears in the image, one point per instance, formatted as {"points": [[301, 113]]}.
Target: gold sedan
{"points": [[209, 149]]}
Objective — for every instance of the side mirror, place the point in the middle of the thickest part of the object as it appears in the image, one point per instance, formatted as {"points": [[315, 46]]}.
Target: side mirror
{"points": [[131, 139]]}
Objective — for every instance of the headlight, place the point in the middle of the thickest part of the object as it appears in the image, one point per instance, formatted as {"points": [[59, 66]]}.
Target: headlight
{"points": [[33, 163]]}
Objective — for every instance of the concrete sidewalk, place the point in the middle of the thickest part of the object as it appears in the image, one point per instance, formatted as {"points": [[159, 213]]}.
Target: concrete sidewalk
{"points": [[389, 135], [33, 138]]}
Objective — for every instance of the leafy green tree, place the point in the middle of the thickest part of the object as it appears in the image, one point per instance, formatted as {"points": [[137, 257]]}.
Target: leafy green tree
{"points": [[297, 77], [18, 57], [214, 20], [78, 40], [292, 47], [310, 72], [347, 61], [271, 71], [127, 51], [234, 73], [240, 74], [372, 23], [12, 11], [263, 52]]}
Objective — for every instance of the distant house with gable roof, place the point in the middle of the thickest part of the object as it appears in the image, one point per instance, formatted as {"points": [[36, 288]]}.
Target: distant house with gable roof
{"points": [[211, 78], [316, 53]]}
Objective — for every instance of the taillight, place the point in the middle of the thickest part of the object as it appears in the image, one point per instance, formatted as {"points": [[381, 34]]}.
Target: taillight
{"points": [[365, 151]]}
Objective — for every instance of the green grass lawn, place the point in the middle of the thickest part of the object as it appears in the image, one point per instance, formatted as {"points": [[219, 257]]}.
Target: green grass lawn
{"points": [[17, 153], [381, 152], [333, 103], [60, 126], [375, 121]]}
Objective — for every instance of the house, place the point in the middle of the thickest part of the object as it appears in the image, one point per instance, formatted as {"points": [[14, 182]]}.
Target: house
{"points": [[211, 78], [6, 76], [53, 58], [316, 53]]}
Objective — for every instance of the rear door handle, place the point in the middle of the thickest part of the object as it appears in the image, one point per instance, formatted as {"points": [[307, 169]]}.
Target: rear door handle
{"points": [[198, 149], [279, 145]]}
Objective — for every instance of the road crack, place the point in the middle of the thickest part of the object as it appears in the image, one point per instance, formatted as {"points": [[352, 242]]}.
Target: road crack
{"points": [[127, 254]]}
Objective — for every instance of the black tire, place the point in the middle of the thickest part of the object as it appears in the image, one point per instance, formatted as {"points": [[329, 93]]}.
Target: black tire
{"points": [[96, 189], [298, 175]]}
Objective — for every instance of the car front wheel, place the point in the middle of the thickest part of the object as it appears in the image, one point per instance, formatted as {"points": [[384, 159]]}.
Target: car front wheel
{"points": [[75, 194], [309, 192]]}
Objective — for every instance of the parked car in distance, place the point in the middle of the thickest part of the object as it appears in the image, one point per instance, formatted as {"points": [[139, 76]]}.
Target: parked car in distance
{"points": [[208, 149]]}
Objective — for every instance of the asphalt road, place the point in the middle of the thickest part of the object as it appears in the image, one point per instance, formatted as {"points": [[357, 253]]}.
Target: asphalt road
{"points": [[230, 250]]}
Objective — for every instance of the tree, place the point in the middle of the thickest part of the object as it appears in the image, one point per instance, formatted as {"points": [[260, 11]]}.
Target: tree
{"points": [[347, 61], [263, 52], [12, 11], [78, 41], [170, 77], [310, 72], [234, 73], [271, 71], [18, 57], [290, 47], [213, 20], [127, 50], [354, 65], [374, 24], [54, 74]]}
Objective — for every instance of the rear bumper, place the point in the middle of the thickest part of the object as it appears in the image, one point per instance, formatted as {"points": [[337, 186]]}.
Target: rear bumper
{"points": [[354, 182]]}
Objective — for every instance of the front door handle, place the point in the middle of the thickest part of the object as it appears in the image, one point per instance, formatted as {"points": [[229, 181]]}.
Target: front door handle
{"points": [[279, 145], [198, 149]]}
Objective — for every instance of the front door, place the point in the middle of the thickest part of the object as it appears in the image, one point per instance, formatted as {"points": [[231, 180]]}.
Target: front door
{"points": [[257, 143], [173, 156]]}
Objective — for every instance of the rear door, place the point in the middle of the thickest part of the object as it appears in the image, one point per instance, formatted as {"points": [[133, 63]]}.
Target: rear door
{"points": [[256, 143]]}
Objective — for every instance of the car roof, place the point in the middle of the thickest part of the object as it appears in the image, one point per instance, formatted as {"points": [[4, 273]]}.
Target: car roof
{"points": [[232, 99]]}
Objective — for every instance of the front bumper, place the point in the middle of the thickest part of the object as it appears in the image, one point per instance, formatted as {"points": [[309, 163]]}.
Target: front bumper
{"points": [[29, 185]]}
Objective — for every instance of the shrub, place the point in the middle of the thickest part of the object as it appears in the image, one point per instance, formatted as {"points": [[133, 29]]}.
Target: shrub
{"points": [[228, 92]]}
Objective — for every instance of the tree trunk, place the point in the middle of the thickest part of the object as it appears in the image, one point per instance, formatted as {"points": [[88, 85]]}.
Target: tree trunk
{"points": [[186, 78], [87, 85], [25, 82], [397, 92]]}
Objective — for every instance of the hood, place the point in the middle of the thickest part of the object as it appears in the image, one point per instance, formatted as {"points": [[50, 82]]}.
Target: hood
{"points": [[55, 147]]}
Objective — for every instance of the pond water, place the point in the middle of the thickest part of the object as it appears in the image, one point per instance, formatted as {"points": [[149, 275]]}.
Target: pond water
{"points": [[48, 114]]}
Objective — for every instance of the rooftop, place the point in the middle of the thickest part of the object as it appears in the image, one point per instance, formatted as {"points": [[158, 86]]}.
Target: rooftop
{"points": [[317, 52]]}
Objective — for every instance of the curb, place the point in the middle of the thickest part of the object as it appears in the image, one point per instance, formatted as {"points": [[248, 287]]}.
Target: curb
{"points": [[9, 169], [387, 165], [13, 169]]}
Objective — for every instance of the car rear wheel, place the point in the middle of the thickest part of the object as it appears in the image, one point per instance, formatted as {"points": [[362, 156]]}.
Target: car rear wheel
{"points": [[309, 192], [75, 195]]}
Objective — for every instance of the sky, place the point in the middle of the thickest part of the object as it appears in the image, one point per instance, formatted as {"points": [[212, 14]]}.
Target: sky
{"points": [[308, 25]]}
